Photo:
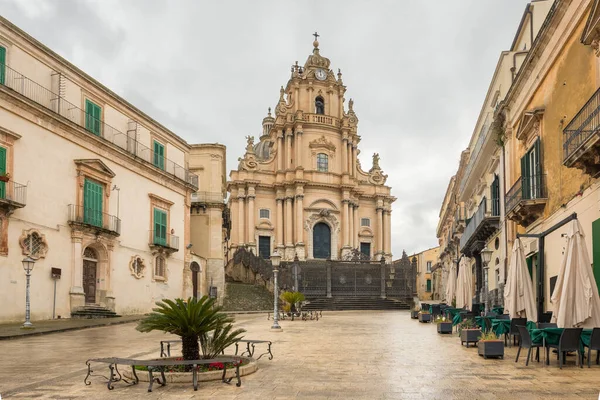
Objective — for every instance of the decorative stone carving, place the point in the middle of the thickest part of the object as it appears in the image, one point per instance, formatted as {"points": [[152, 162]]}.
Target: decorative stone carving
{"points": [[323, 143], [137, 267], [248, 163], [33, 243], [376, 175], [322, 215]]}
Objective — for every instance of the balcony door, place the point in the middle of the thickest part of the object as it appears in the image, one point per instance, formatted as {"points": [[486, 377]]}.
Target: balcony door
{"points": [[160, 227], [2, 172], [531, 173], [92, 203]]}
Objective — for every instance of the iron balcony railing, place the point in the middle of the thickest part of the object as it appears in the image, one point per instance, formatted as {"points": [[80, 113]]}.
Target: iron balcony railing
{"points": [[14, 193], [582, 126], [207, 197], [483, 134], [487, 209], [54, 102], [93, 218], [526, 188], [162, 239]]}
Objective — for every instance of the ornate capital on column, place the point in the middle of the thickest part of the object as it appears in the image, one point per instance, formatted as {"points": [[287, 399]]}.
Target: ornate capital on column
{"points": [[299, 196], [251, 197]]}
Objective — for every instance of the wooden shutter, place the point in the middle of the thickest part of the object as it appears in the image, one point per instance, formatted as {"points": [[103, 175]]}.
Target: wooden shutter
{"points": [[2, 65], [160, 227], [159, 155], [596, 250], [428, 285], [93, 112], [2, 172], [525, 176], [537, 172], [92, 203]]}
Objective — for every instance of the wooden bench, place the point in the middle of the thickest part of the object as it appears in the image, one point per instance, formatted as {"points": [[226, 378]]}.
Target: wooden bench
{"points": [[158, 366], [165, 347]]}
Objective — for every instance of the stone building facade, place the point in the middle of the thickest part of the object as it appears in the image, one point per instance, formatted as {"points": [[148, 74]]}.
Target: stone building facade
{"points": [[301, 189]]}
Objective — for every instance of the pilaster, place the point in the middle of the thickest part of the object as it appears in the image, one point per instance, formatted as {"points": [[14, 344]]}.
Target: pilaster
{"points": [[241, 216], [77, 295], [251, 218]]}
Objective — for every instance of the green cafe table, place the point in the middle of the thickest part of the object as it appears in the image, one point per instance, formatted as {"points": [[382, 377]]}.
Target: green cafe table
{"points": [[552, 336], [502, 326]]}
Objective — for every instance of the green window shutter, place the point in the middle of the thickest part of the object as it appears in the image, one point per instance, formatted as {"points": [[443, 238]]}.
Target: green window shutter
{"points": [[2, 65], [2, 172], [93, 113], [159, 155], [596, 250], [537, 172], [92, 203], [160, 227], [525, 176], [428, 285], [529, 261]]}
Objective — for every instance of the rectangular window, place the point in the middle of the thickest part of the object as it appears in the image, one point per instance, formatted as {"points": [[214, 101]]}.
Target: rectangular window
{"points": [[365, 248], [159, 155], [322, 162], [2, 65], [2, 172], [93, 114], [264, 247], [495, 189], [365, 222], [92, 203], [428, 287], [264, 213], [531, 173], [160, 227], [428, 266]]}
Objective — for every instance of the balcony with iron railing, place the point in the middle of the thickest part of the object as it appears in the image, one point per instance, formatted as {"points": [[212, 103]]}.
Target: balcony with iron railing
{"points": [[13, 195], [482, 225], [57, 104], [161, 240], [94, 220], [526, 199], [581, 142]]}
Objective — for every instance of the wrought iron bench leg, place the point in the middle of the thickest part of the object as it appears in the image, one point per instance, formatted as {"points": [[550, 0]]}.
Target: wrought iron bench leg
{"points": [[224, 373], [195, 377], [89, 366], [164, 378], [162, 349], [236, 348], [237, 374], [150, 379], [269, 350], [137, 380], [110, 379]]}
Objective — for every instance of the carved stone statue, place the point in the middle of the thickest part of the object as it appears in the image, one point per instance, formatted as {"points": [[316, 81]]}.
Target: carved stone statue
{"points": [[250, 143], [376, 161], [351, 105]]}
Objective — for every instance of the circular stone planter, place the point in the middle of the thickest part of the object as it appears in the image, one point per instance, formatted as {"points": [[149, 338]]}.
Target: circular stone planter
{"points": [[186, 377]]}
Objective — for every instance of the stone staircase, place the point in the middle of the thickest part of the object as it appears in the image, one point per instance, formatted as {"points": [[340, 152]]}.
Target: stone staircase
{"points": [[93, 311], [246, 297], [355, 303]]}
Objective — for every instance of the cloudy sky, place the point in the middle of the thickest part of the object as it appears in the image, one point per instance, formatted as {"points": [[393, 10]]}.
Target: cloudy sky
{"points": [[208, 70]]}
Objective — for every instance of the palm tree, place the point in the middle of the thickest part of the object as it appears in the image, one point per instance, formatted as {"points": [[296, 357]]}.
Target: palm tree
{"points": [[292, 298], [192, 319]]}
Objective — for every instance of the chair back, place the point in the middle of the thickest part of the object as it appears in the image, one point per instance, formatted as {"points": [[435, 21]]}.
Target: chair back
{"points": [[435, 310], [425, 306], [503, 316], [569, 340], [513, 325], [525, 337], [546, 317], [595, 339], [491, 314], [476, 309], [467, 315], [544, 325]]}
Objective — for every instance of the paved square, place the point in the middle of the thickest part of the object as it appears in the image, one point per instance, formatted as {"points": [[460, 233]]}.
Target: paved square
{"points": [[345, 355]]}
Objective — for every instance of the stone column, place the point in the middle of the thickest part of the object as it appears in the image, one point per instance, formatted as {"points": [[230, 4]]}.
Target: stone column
{"points": [[354, 159], [300, 252], [351, 224], [379, 229], [344, 154], [288, 155], [387, 244], [280, 150], [349, 151], [234, 214], [77, 295], [289, 244], [279, 222], [241, 216], [345, 223], [356, 227], [251, 214], [298, 148]]}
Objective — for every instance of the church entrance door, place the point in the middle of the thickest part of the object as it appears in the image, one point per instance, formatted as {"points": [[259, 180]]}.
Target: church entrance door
{"points": [[322, 241], [90, 267]]}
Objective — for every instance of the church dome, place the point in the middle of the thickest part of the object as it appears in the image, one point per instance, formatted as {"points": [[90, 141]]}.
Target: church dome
{"points": [[263, 150]]}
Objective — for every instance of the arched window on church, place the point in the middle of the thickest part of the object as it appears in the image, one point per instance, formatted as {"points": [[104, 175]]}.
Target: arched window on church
{"points": [[319, 105], [322, 162]]}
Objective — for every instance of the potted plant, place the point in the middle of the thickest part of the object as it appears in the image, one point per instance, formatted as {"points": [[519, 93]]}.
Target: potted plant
{"points": [[490, 346], [424, 316], [4, 177], [443, 325], [468, 332]]}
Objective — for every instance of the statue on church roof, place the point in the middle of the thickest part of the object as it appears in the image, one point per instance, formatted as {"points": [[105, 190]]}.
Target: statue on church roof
{"points": [[351, 105], [375, 159], [376, 175], [250, 143]]}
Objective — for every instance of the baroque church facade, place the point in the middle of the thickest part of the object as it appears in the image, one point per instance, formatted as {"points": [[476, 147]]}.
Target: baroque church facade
{"points": [[301, 190]]}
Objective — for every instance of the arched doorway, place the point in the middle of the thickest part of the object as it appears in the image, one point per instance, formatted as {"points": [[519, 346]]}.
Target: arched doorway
{"points": [[90, 269], [195, 268], [322, 241]]}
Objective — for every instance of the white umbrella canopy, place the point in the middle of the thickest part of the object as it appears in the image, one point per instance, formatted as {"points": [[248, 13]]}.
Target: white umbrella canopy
{"points": [[519, 300], [451, 284], [575, 295], [464, 286]]}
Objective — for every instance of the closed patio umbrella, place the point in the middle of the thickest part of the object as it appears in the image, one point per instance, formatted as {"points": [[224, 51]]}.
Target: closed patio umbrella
{"points": [[519, 300], [464, 286], [451, 284], [575, 296]]}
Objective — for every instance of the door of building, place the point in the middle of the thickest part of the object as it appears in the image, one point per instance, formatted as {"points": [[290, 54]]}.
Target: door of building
{"points": [[90, 266], [264, 247], [365, 248], [322, 241]]}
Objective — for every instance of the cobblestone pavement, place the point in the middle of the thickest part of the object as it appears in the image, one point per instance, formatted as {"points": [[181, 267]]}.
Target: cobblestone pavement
{"points": [[345, 355]]}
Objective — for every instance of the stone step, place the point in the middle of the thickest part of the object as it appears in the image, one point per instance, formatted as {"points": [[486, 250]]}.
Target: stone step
{"points": [[93, 311]]}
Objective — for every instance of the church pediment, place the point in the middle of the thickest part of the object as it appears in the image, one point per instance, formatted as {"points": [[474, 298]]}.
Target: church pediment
{"points": [[95, 165], [530, 123]]}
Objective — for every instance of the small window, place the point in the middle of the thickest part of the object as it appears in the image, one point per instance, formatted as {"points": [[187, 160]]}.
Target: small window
{"points": [[159, 155], [365, 222], [159, 267], [265, 213], [319, 105], [428, 266], [93, 116], [322, 162], [428, 287], [33, 244]]}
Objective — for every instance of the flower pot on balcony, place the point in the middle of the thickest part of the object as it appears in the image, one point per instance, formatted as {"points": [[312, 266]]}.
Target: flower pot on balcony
{"points": [[424, 317], [490, 348], [444, 327], [414, 315], [469, 336], [4, 178]]}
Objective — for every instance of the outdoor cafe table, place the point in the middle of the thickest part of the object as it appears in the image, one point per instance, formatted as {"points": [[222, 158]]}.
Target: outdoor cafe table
{"points": [[502, 326], [552, 336]]}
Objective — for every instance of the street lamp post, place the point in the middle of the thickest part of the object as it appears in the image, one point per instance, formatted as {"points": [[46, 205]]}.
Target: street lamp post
{"points": [[275, 261], [28, 264], [486, 257]]}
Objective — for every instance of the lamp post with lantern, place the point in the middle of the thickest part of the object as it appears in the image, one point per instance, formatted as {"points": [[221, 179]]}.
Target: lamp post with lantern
{"points": [[275, 261], [486, 257], [28, 264]]}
